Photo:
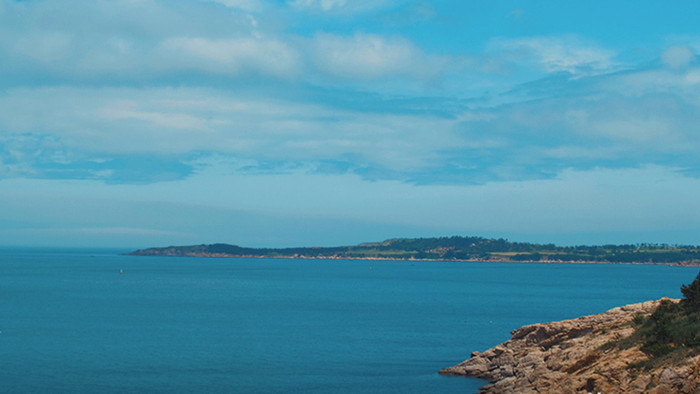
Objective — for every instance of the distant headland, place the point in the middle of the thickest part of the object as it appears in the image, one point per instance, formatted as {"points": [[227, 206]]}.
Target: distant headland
{"points": [[453, 249]]}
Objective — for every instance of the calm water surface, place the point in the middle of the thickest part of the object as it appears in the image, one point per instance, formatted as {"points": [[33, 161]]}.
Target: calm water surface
{"points": [[70, 322]]}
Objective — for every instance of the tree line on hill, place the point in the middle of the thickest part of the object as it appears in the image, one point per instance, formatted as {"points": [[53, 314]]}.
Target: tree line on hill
{"points": [[455, 248]]}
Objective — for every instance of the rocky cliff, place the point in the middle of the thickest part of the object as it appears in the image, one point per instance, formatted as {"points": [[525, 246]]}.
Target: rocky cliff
{"points": [[575, 356]]}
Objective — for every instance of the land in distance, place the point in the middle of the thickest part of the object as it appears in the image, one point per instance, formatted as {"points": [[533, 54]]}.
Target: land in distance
{"points": [[454, 248]]}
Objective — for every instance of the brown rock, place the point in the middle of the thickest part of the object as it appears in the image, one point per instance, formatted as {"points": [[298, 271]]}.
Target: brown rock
{"points": [[568, 357]]}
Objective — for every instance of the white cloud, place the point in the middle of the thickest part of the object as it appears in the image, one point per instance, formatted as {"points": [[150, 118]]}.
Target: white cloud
{"points": [[368, 56], [555, 54], [246, 5], [342, 7], [118, 42], [692, 77], [171, 121], [322, 4], [677, 56], [625, 119], [231, 56], [139, 40], [681, 82]]}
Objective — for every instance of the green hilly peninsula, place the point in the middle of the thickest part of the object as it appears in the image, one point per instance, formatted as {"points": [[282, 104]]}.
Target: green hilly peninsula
{"points": [[453, 248]]}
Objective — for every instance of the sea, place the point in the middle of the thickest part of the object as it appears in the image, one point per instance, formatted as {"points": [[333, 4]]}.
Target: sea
{"points": [[96, 321]]}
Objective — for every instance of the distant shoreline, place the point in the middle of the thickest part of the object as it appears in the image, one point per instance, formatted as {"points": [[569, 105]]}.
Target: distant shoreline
{"points": [[455, 248], [680, 264]]}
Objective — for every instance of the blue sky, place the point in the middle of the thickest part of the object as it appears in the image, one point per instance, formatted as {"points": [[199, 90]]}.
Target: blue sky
{"points": [[133, 123]]}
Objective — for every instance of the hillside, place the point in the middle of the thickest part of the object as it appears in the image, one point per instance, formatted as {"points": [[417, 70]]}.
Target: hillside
{"points": [[453, 248]]}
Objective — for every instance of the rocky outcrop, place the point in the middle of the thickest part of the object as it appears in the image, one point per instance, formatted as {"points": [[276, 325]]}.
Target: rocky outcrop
{"points": [[570, 357]]}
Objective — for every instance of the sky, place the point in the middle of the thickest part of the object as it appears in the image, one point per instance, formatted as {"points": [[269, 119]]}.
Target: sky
{"points": [[137, 123]]}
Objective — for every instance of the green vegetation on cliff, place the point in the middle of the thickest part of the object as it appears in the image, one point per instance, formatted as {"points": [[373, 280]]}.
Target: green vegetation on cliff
{"points": [[672, 332], [455, 248]]}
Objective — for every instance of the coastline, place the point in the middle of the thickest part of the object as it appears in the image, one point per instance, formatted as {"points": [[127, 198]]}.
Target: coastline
{"points": [[575, 355], [335, 257], [454, 248]]}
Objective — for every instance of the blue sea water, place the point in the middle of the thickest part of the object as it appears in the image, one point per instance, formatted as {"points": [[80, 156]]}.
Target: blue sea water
{"points": [[70, 322]]}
